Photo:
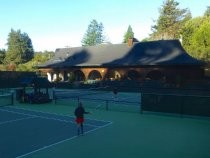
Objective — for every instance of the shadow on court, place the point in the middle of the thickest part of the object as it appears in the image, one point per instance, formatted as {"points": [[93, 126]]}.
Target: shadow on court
{"points": [[23, 132]]}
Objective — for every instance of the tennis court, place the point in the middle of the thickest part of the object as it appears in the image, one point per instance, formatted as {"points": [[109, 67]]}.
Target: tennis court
{"points": [[23, 132], [48, 130]]}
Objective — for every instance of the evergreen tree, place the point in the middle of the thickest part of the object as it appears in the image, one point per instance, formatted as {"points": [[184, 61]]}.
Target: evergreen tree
{"points": [[20, 49], [2, 55], [207, 12], [128, 34], [170, 21], [94, 34], [27, 48]]}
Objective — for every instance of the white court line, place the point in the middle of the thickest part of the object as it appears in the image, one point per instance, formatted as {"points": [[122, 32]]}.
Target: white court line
{"points": [[49, 118], [59, 114], [16, 120], [62, 141], [48, 146], [45, 147], [15, 112]]}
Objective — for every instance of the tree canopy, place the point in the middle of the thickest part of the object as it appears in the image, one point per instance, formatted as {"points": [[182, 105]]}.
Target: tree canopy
{"points": [[170, 20], [176, 23], [94, 34], [2, 55], [207, 12], [128, 34], [20, 48], [39, 58], [20, 55], [196, 37]]}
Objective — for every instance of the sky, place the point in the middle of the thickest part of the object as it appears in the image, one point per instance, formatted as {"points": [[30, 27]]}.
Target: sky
{"points": [[53, 24]]}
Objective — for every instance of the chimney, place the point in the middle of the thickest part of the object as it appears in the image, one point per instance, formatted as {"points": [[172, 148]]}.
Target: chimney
{"points": [[130, 42]]}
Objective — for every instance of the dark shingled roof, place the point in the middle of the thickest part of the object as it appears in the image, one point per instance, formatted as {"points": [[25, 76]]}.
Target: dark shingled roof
{"points": [[163, 52]]}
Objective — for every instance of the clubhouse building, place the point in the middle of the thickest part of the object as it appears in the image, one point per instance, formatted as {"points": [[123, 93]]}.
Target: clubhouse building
{"points": [[164, 60]]}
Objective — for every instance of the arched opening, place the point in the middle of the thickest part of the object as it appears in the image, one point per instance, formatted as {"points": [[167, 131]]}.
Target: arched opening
{"points": [[113, 75], [60, 77], [55, 77], [133, 75], [79, 75], [155, 75], [94, 75], [71, 76], [49, 76]]}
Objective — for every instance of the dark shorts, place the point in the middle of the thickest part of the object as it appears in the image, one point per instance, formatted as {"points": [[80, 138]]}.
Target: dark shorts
{"points": [[79, 120]]}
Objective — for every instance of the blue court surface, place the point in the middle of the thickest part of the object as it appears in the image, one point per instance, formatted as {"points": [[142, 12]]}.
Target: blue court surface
{"points": [[23, 132]]}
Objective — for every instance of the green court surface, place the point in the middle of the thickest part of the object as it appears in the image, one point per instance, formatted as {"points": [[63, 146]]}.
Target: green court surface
{"points": [[132, 135]]}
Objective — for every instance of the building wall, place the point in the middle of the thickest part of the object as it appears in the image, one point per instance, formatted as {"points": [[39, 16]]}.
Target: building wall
{"points": [[167, 74]]}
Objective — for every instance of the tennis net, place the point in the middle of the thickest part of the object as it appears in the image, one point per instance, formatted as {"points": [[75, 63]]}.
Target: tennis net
{"points": [[99, 98], [77, 93]]}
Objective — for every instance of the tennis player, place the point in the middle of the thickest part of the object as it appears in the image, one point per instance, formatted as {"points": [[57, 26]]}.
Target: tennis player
{"points": [[79, 113]]}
